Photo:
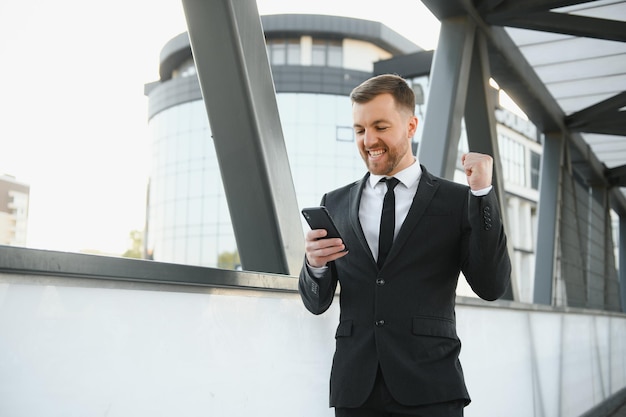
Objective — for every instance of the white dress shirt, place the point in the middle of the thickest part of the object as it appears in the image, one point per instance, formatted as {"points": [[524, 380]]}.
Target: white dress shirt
{"points": [[371, 206]]}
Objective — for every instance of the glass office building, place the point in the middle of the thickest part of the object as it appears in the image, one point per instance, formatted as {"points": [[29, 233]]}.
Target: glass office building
{"points": [[316, 61]]}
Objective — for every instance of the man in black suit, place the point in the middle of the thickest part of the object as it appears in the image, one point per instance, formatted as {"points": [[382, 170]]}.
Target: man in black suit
{"points": [[396, 344]]}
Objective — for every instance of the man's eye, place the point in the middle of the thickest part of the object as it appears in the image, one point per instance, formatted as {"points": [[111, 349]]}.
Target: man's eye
{"points": [[359, 131], [381, 128]]}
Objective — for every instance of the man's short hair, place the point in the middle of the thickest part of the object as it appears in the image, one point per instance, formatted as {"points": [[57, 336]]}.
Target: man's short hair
{"points": [[385, 84]]}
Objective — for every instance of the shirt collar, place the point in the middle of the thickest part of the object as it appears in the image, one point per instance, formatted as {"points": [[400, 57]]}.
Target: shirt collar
{"points": [[408, 176]]}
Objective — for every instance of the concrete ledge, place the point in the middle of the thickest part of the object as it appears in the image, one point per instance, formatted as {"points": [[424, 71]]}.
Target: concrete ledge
{"points": [[36, 262], [22, 261]]}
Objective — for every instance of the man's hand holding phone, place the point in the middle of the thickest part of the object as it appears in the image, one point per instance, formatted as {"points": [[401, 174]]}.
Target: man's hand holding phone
{"points": [[323, 243], [321, 250]]}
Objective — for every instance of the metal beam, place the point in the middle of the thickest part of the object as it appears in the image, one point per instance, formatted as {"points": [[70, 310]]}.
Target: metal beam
{"points": [[446, 101], [617, 176], [613, 125], [517, 77], [566, 24], [228, 46], [622, 260], [507, 8], [480, 125], [549, 195], [610, 105]]}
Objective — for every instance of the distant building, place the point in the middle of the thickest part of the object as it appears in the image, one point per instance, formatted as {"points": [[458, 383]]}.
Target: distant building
{"points": [[14, 198]]}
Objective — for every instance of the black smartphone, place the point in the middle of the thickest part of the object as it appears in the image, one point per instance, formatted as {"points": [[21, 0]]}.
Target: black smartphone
{"points": [[319, 218]]}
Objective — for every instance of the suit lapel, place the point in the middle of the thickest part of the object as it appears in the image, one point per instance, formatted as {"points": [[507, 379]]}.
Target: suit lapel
{"points": [[354, 204], [425, 192]]}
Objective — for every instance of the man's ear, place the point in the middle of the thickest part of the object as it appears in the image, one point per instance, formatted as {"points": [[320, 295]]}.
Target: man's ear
{"points": [[412, 125]]}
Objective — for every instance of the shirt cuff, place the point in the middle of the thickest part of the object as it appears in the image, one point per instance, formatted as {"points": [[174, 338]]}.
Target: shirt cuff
{"points": [[482, 192], [316, 272]]}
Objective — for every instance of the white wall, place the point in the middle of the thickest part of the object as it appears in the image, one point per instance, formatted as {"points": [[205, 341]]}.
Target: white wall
{"points": [[78, 347], [539, 363]]}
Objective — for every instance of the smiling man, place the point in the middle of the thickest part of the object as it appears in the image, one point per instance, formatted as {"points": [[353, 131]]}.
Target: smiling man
{"points": [[410, 234]]}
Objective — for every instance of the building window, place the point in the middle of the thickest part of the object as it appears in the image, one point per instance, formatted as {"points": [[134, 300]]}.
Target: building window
{"points": [[513, 160], [335, 54], [345, 134], [284, 51], [535, 162], [293, 51], [326, 53]]}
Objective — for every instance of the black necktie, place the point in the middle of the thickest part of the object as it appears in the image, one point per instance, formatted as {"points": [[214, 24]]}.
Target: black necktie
{"points": [[387, 221]]}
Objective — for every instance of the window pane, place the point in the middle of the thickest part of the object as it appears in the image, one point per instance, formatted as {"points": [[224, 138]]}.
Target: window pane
{"points": [[335, 54], [293, 52], [345, 134], [318, 53], [278, 53], [535, 161]]}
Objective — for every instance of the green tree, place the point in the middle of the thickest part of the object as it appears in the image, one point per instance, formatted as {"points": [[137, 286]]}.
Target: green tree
{"points": [[136, 245], [228, 260]]}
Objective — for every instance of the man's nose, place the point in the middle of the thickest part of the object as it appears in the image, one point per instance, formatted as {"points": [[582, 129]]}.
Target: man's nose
{"points": [[368, 137]]}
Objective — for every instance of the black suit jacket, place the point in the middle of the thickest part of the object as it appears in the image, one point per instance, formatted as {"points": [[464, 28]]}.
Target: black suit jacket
{"points": [[401, 317]]}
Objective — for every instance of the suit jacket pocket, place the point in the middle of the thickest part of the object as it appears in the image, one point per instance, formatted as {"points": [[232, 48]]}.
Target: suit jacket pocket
{"points": [[434, 326], [434, 340], [344, 329]]}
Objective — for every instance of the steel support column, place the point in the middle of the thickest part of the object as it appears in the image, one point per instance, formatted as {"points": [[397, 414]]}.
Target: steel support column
{"points": [[622, 261], [480, 125], [549, 195], [446, 102], [480, 122], [229, 51]]}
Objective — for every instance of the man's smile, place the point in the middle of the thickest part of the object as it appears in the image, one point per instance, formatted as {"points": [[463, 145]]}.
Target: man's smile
{"points": [[376, 153]]}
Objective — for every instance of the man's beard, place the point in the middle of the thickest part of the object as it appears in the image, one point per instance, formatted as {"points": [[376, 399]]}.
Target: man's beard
{"points": [[390, 161]]}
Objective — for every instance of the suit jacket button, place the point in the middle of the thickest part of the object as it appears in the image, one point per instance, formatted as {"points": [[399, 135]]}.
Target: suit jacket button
{"points": [[380, 323], [380, 282]]}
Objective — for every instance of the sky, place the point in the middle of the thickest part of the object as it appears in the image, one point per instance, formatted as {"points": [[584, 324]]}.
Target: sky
{"points": [[73, 114]]}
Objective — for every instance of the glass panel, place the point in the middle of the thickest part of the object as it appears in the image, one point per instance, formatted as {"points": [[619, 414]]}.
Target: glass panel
{"points": [[335, 54], [345, 134], [535, 161], [293, 52], [318, 52], [277, 49]]}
